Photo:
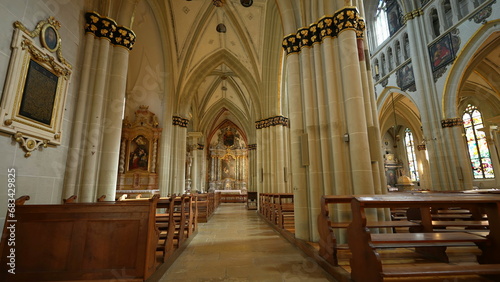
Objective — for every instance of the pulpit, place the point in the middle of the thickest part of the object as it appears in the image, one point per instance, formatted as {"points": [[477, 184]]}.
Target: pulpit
{"points": [[137, 169]]}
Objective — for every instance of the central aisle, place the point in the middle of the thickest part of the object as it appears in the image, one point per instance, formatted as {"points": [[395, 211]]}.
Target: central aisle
{"points": [[238, 245]]}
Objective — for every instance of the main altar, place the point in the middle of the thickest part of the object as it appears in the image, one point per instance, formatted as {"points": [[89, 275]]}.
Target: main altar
{"points": [[228, 161]]}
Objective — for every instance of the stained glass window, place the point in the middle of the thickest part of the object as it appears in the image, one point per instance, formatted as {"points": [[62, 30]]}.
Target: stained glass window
{"points": [[410, 153], [477, 145], [381, 26]]}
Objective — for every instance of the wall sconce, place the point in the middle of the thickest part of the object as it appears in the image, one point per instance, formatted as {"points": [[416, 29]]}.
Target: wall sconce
{"points": [[346, 137]]}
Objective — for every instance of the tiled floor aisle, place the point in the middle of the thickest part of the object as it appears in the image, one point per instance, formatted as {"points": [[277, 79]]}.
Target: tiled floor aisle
{"points": [[237, 245]]}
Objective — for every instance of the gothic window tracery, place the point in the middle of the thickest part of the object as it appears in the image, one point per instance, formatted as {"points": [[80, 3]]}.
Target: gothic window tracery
{"points": [[479, 153], [411, 156]]}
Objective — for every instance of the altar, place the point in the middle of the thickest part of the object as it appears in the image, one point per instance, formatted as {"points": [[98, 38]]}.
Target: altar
{"points": [[228, 163], [232, 196], [230, 191]]}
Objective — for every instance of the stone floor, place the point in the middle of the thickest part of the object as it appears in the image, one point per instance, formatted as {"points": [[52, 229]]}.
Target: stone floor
{"points": [[237, 245]]}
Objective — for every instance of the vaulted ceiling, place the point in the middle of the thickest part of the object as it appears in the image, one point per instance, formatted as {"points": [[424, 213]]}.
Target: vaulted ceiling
{"points": [[215, 75]]}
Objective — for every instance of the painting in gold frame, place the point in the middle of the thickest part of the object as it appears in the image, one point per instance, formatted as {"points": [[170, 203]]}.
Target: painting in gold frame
{"points": [[36, 87]]}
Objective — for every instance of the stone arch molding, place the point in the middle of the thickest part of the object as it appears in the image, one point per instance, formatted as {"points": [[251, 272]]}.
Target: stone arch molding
{"points": [[457, 74], [384, 105], [194, 80]]}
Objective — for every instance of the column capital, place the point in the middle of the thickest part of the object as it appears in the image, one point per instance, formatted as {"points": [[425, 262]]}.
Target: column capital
{"points": [[104, 27], [413, 14], [451, 122], [180, 121]]}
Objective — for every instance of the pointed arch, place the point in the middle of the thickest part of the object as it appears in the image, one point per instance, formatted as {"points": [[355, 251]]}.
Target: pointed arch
{"points": [[404, 107], [194, 80], [221, 107], [457, 76]]}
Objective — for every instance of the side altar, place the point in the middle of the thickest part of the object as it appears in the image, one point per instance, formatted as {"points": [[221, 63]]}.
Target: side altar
{"points": [[137, 169]]}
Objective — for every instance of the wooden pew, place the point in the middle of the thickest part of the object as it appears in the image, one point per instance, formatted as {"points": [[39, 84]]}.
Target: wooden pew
{"points": [[70, 200], [285, 213], [202, 201], [266, 205], [366, 264], [166, 226], [252, 200], [272, 215], [329, 245], [84, 241]]}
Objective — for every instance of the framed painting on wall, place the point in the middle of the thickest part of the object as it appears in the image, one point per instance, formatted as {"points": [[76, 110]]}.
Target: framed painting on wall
{"points": [[441, 52], [405, 77], [35, 89], [393, 17]]}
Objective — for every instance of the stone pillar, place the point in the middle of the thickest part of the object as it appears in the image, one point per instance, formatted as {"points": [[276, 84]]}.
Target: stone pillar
{"points": [[108, 169], [92, 145], [252, 168], [196, 176], [359, 149], [101, 145], [179, 154], [73, 163]]}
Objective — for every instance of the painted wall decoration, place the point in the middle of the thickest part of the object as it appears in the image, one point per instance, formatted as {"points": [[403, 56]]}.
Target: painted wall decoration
{"points": [[394, 19], [441, 52], [405, 77]]}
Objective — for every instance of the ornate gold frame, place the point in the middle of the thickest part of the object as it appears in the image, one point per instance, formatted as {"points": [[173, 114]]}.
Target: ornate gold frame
{"points": [[36, 88]]}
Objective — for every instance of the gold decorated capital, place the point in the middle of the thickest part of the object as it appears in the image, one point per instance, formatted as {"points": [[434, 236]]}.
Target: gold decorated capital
{"points": [[413, 14], [180, 121], [451, 122], [104, 27], [328, 26], [272, 121]]}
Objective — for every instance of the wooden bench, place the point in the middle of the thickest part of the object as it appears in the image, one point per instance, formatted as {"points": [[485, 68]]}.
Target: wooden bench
{"points": [[85, 241], [252, 200], [166, 225], [285, 212], [202, 202], [329, 245], [366, 264], [176, 220]]}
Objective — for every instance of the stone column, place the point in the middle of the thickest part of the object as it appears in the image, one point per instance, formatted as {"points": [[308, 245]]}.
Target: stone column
{"points": [[179, 154], [196, 176], [108, 169], [92, 145], [359, 148], [76, 150]]}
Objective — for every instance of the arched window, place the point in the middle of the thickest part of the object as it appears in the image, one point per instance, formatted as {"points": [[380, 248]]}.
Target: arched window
{"points": [[382, 65], [448, 20], [389, 59], [479, 153], [407, 47], [463, 8], [377, 74], [410, 154], [435, 23], [398, 53], [381, 26]]}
